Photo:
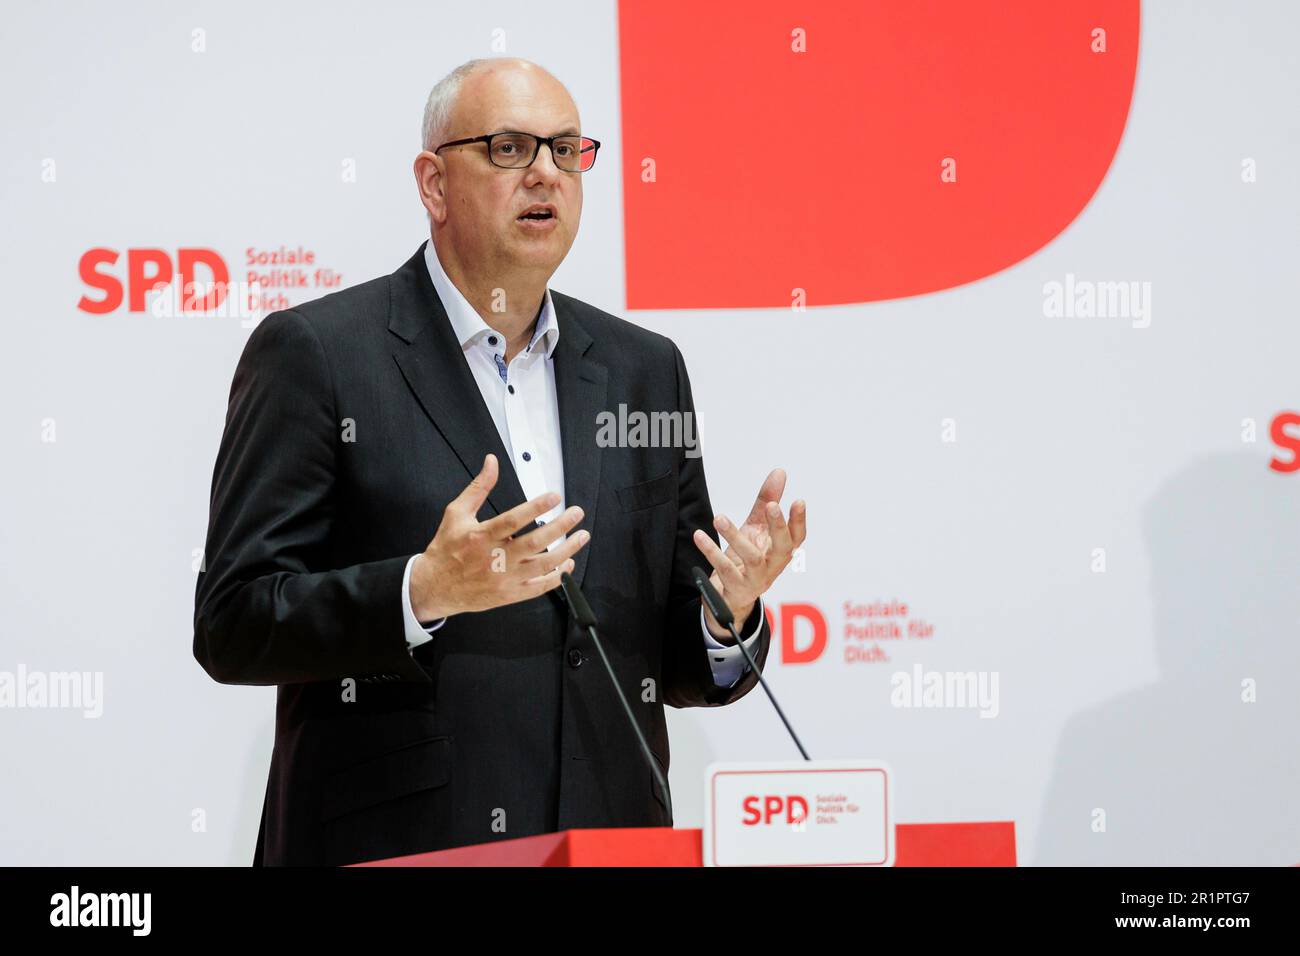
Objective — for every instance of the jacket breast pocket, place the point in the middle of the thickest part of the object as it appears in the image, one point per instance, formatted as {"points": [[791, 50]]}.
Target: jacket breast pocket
{"points": [[647, 494], [423, 765]]}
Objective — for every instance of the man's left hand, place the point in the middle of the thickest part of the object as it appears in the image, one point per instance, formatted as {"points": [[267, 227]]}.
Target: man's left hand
{"points": [[757, 551]]}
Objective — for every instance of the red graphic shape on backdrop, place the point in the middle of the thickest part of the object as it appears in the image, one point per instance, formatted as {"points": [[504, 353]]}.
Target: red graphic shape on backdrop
{"points": [[821, 170]]}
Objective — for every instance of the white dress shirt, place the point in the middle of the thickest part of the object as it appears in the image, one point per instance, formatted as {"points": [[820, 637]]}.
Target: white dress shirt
{"points": [[521, 397]]}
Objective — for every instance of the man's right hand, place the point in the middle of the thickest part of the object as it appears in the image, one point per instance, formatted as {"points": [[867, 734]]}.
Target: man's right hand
{"points": [[473, 566]]}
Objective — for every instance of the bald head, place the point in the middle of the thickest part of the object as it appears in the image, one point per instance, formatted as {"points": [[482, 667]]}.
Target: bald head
{"points": [[459, 98]]}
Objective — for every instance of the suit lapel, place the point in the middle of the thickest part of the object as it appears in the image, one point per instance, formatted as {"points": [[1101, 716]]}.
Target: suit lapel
{"points": [[434, 367], [580, 387]]}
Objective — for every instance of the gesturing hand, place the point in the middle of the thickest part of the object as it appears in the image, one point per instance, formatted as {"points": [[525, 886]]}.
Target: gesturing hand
{"points": [[473, 566], [757, 552]]}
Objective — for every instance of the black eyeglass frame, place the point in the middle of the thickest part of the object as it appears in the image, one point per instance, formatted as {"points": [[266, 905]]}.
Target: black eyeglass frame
{"points": [[537, 147]]}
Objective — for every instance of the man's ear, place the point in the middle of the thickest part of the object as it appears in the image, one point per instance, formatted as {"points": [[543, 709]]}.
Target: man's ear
{"points": [[431, 180]]}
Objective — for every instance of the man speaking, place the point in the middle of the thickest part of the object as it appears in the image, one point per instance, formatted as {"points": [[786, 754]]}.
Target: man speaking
{"points": [[407, 468]]}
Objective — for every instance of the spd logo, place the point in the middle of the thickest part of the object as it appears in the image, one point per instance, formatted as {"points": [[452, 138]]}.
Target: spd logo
{"points": [[791, 809], [1287, 441], [151, 270], [793, 651]]}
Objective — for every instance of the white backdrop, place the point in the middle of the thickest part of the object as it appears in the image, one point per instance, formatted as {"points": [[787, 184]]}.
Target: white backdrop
{"points": [[1118, 690]]}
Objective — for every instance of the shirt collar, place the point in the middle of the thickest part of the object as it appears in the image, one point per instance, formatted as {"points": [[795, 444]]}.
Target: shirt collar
{"points": [[468, 324]]}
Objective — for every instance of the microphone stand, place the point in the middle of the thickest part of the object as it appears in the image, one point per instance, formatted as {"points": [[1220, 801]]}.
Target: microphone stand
{"points": [[586, 618], [722, 611]]}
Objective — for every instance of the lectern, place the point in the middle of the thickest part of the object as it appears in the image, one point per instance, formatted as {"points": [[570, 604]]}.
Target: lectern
{"points": [[917, 844]]}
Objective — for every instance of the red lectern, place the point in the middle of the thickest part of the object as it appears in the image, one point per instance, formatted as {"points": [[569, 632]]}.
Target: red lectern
{"points": [[918, 844]]}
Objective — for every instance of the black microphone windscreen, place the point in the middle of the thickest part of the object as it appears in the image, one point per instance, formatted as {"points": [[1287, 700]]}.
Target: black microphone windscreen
{"points": [[713, 600], [582, 612]]}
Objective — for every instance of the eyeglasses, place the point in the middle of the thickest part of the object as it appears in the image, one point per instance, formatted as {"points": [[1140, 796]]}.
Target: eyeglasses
{"points": [[573, 154]]}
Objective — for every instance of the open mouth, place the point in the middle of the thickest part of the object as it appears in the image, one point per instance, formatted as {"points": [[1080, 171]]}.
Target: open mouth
{"points": [[539, 214]]}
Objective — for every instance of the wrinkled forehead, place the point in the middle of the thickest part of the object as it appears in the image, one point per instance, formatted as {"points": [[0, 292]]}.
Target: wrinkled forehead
{"points": [[524, 98]]}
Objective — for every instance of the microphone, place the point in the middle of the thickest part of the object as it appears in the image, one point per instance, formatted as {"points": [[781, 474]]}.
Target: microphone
{"points": [[586, 618], [722, 611]]}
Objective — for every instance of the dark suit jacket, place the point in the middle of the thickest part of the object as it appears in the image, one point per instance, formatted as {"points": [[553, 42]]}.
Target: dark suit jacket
{"points": [[504, 724]]}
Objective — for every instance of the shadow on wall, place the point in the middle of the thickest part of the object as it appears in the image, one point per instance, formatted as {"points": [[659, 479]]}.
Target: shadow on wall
{"points": [[257, 767], [692, 752], [1186, 771]]}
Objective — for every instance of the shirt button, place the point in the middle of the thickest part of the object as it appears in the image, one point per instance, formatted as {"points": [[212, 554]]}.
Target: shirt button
{"points": [[575, 658], [492, 340], [511, 388], [527, 457]]}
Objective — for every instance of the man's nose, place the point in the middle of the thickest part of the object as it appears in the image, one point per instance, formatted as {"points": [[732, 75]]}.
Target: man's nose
{"points": [[543, 168]]}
